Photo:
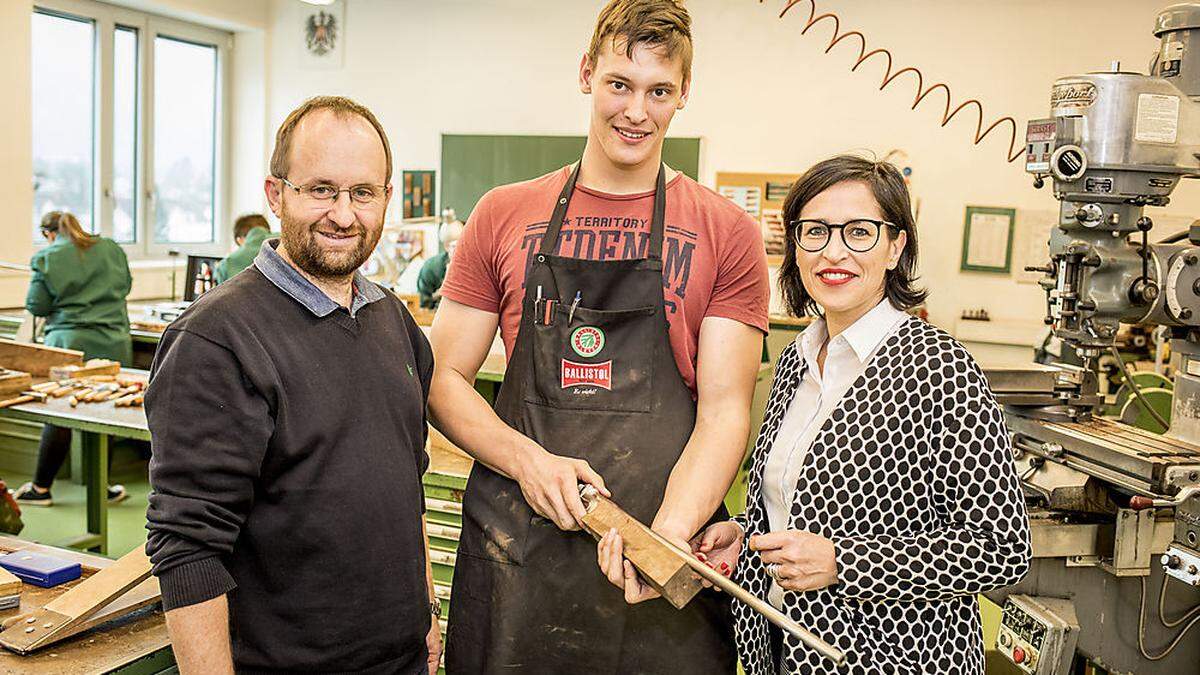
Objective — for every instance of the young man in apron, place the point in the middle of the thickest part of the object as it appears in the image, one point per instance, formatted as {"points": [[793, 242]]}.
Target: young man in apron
{"points": [[632, 304]]}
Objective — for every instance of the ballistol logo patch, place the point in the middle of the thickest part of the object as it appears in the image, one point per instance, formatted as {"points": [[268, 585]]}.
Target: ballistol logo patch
{"points": [[586, 374], [587, 341]]}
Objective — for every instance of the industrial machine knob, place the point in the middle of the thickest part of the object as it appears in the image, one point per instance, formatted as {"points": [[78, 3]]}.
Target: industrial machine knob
{"points": [[1004, 640], [1018, 655], [1171, 561]]}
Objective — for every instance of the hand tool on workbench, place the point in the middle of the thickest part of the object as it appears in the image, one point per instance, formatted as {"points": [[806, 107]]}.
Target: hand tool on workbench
{"points": [[70, 612], [25, 397], [676, 573]]}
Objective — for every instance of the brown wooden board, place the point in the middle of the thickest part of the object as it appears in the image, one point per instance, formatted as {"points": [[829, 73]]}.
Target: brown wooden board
{"points": [[87, 370], [36, 359], [661, 565], [14, 382], [129, 628]]}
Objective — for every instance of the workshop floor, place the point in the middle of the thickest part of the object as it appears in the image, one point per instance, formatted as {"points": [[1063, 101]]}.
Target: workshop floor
{"points": [[126, 520]]}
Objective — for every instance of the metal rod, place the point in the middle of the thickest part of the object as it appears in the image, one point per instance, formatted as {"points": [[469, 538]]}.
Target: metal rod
{"points": [[766, 609]]}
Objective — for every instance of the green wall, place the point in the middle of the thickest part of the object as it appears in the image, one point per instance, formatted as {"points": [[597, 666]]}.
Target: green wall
{"points": [[472, 165]]}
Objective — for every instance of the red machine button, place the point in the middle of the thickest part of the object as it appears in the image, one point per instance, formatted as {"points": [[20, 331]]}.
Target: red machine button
{"points": [[1018, 655]]}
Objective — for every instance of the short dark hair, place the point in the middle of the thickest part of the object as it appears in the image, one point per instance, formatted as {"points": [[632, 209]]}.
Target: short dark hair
{"points": [[243, 225], [891, 193]]}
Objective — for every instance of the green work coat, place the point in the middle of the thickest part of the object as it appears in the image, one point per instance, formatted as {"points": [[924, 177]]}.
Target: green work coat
{"points": [[244, 256], [429, 281], [81, 293]]}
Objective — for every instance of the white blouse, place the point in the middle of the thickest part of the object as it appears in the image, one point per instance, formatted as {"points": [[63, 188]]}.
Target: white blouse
{"points": [[817, 394]]}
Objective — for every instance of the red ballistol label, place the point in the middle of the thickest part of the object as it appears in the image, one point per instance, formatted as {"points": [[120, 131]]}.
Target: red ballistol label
{"points": [[587, 374]]}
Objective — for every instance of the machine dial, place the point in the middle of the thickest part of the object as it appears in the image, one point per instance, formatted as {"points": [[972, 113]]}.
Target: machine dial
{"points": [[1068, 163], [1181, 284]]}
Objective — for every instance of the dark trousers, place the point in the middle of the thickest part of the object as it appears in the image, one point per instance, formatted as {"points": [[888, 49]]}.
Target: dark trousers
{"points": [[52, 452]]}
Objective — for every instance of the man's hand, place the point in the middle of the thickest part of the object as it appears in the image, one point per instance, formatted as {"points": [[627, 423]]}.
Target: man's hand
{"points": [[433, 641], [550, 484], [719, 545], [610, 554], [806, 561]]}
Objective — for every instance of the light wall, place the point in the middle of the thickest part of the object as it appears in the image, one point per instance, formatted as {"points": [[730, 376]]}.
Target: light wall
{"points": [[765, 97]]}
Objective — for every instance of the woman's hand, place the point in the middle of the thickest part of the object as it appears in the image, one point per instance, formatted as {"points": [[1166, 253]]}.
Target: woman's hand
{"points": [[806, 561], [719, 546]]}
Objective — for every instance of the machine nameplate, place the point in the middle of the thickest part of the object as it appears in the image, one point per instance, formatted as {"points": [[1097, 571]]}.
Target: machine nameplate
{"points": [[1102, 185], [1157, 118], [1071, 96]]}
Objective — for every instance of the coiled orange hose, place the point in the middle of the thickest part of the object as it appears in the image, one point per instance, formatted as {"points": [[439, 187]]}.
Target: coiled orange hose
{"points": [[889, 76]]}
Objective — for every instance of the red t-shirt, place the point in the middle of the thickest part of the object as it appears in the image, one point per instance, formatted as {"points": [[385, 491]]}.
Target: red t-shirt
{"points": [[714, 263]]}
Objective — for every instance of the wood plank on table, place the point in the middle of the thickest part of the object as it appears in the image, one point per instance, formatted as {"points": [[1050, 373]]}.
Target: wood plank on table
{"points": [[119, 643]]}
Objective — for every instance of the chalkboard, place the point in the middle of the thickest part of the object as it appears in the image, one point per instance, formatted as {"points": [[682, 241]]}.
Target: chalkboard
{"points": [[474, 164]]}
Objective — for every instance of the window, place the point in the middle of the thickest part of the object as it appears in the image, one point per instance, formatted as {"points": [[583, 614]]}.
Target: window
{"points": [[125, 132], [129, 124], [185, 104], [63, 103]]}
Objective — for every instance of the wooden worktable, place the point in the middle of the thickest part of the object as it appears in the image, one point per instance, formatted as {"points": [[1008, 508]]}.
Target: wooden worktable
{"points": [[96, 424], [139, 637]]}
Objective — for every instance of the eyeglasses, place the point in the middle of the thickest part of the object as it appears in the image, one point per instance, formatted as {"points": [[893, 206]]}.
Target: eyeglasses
{"points": [[326, 193], [859, 235]]}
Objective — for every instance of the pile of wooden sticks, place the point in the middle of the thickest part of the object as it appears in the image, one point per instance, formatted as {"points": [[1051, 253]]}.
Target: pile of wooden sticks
{"points": [[122, 391]]}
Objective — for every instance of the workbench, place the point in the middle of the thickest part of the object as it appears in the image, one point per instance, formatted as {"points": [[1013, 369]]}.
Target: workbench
{"points": [[134, 645], [96, 424]]}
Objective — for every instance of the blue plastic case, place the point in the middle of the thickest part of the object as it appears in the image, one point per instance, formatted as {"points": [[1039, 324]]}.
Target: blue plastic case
{"points": [[40, 570]]}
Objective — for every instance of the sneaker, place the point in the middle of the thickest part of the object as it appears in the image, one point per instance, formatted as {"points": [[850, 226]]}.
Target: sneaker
{"points": [[117, 493], [27, 496]]}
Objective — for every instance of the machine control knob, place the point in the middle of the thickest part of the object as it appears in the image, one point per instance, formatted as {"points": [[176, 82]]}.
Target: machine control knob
{"points": [[1018, 655], [1171, 561], [1004, 640], [1089, 215]]}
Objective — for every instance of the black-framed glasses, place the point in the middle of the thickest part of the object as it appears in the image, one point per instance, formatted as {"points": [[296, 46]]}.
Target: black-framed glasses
{"points": [[859, 235], [364, 194]]}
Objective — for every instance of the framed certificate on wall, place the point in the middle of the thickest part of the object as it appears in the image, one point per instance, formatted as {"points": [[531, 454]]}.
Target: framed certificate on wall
{"points": [[988, 239]]}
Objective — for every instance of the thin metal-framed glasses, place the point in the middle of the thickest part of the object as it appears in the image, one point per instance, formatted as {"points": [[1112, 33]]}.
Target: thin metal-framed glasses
{"points": [[859, 235], [364, 194]]}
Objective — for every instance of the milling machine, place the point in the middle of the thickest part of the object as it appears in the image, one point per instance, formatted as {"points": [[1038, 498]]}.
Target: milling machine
{"points": [[1115, 510]]}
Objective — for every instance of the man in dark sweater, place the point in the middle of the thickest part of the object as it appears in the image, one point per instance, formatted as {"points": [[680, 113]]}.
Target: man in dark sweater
{"points": [[269, 397]]}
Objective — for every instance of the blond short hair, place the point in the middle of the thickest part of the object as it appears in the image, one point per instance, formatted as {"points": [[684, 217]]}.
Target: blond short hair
{"points": [[339, 105]]}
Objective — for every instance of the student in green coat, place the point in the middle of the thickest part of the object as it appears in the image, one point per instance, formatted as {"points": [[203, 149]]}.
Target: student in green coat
{"points": [[249, 231], [433, 272], [80, 282]]}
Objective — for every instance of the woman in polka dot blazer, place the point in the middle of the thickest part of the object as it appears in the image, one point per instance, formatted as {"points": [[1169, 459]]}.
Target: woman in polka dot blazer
{"points": [[883, 495]]}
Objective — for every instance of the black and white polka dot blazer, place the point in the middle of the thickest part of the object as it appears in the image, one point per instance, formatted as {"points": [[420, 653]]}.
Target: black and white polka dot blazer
{"points": [[913, 480]]}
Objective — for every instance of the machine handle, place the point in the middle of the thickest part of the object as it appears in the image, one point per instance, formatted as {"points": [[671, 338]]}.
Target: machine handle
{"points": [[1138, 503]]}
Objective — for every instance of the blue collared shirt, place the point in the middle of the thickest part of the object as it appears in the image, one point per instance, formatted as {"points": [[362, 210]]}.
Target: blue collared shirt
{"points": [[290, 281]]}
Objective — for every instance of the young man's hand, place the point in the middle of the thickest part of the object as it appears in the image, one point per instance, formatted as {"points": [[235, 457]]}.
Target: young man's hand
{"points": [[550, 484]]}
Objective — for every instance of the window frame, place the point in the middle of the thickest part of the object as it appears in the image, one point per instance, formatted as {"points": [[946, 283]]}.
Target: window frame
{"points": [[107, 19]]}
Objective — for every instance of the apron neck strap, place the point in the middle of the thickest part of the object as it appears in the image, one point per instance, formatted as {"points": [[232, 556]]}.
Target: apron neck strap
{"points": [[657, 227]]}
